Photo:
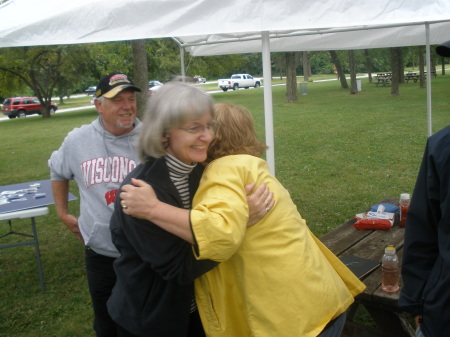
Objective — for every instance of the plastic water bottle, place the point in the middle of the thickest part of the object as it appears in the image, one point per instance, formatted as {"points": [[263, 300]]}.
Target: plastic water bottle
{"points": [[390, 270], [404, 205]]}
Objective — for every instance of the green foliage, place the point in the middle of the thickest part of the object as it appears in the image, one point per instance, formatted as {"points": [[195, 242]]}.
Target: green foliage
{"points": [[76, 70], [320, 63], [71, 69], [37, 68], [163, 59], [43, 71], [108, 57], [215, 67]]}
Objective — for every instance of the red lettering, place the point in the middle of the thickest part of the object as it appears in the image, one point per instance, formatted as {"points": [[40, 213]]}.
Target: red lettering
{"points": [[110, 196]]}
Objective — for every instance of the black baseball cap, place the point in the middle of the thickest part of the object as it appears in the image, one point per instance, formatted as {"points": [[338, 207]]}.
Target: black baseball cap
{"points": [[444, 49], [113, 83]]}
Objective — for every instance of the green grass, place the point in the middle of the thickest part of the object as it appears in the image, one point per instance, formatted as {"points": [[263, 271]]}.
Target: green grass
{"points": [[339, 153], [336, 153], [74, 102]]}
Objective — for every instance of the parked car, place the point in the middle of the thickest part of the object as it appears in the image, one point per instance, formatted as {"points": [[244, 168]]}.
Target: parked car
{"points": [[91, 91], [199, 79], [152, 84], [152, 89], [22, 106], [239, 81]]}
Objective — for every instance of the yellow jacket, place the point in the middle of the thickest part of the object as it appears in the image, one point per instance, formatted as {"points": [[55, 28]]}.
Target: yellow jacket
{"points": [[275, 278]]}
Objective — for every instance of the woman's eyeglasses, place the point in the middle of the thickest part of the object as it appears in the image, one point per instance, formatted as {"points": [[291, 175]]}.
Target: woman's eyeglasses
{"points": [[201, 128]]}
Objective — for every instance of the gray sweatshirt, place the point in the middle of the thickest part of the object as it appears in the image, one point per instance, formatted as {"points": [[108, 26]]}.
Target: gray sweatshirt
{"points": [[98, 161]]}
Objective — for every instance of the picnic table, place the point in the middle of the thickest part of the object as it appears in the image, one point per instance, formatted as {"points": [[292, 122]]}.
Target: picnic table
{"points": [[346, 240], [411, 76], [433, 73], [383, 79]]}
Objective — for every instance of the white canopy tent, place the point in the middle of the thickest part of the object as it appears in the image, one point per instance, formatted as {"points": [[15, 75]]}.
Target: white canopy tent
{"points": [[212, 27]]}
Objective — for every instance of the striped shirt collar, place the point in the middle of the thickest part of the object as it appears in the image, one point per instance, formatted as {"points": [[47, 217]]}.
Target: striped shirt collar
{"points": [[177, 167]]}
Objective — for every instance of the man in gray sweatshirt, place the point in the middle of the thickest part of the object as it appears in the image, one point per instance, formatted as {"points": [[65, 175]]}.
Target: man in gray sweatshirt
{"points": [[98, 157]]}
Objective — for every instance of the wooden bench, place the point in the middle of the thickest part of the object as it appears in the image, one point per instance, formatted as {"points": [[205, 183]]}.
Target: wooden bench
{"points": [[370, 244]]}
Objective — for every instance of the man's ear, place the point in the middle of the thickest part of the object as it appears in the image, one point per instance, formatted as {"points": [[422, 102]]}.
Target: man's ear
{"points": [[98, 106]]}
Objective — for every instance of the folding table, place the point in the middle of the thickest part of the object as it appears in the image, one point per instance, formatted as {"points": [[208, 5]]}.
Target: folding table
{"points": [[27, 201]]}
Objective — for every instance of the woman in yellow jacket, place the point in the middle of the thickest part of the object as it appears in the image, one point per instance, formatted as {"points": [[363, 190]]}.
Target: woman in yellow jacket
{"points": [[275, 278]]}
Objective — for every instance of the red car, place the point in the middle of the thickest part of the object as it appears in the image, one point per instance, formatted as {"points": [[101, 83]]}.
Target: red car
{"points": [[22, 106]]}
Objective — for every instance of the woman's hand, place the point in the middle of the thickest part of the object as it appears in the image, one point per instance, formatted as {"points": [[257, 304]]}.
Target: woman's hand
{"points": [[260, 202], [138, 200]]}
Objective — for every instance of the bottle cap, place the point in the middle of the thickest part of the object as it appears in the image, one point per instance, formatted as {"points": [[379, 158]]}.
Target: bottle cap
{"points": [[389, 250], [404, 196]]}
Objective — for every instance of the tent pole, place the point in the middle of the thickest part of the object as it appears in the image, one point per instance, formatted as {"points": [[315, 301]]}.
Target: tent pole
{"points": [[428, 57], [268, 106], [183, 71]]}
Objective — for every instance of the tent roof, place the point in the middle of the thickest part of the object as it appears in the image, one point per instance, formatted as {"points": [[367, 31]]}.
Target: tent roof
{"points": [[356, 37], [292, 24]]}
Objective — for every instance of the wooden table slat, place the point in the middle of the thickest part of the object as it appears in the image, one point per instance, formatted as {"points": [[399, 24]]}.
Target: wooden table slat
{"points": [[370, 244]]}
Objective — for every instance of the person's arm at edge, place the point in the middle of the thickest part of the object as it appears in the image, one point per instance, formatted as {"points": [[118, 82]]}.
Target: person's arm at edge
{"points": [[60, 189]]}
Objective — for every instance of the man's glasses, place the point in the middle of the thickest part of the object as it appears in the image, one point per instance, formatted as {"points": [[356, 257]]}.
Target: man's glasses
{"points": [[201, 128]]}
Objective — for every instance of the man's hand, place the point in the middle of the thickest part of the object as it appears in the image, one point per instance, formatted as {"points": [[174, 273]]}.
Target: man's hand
{"points": [[138, 199], [260, 202], [72, 223], [60, 189]]}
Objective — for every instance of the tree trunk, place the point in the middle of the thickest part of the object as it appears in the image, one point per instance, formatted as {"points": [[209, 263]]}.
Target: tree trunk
{"points": [[351, 61], [395, 80], [368, 60], [291, 78], [280, 63], [433, 65], [401, 66], [443, 66], [421, 67], [140, 77], [340, 71]]}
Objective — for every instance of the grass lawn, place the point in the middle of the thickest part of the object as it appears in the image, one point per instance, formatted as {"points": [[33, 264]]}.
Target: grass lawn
{"points": [[336, 153]]}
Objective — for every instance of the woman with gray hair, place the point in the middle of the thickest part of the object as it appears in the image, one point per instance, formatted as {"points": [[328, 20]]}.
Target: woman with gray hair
{"points": [[154, 293]]}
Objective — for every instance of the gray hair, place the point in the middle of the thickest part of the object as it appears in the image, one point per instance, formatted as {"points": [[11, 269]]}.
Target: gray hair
{"points": [[170, 107], [101, 99]]}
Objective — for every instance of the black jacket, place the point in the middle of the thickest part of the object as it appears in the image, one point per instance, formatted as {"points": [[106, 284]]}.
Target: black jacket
{"points": [[426, 259], [156, 270]]}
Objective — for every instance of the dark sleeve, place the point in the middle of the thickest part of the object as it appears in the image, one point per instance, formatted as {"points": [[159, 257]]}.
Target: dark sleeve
{"points": [[171, 257], [421, 239]]}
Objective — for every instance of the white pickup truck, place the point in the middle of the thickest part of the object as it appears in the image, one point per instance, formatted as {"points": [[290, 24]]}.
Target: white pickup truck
{"points": [[239, 81]]}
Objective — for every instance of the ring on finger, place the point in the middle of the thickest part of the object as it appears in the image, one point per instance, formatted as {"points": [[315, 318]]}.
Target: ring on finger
{"points": [[267, 209]]}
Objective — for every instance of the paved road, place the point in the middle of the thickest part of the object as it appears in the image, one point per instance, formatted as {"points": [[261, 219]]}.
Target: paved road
{"points": [[3, 117]]}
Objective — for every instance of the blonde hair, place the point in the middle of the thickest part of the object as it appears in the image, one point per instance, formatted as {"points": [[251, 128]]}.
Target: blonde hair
{"points": [[235, 133], [170, 107]]}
